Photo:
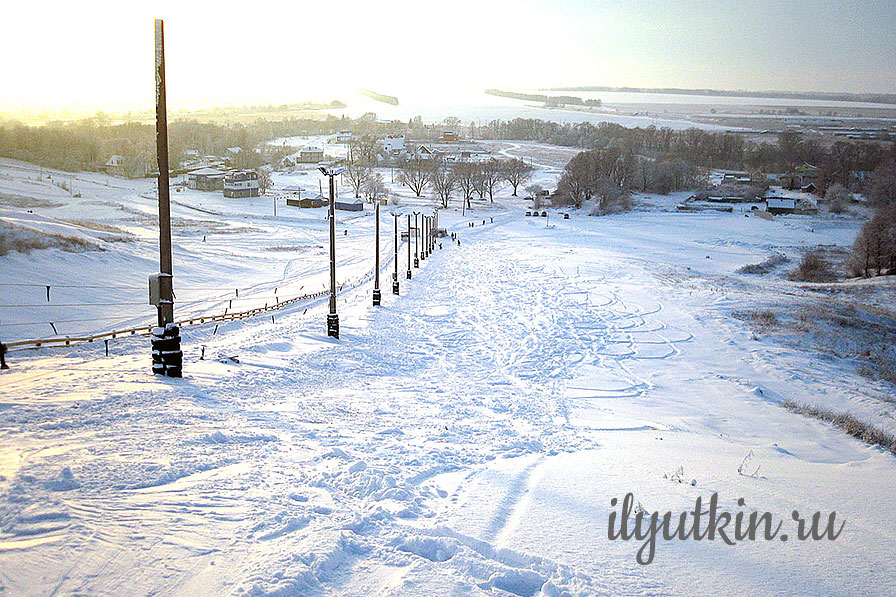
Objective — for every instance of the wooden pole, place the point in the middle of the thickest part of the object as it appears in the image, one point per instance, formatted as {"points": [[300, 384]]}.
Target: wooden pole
{"points": [[376, 276], [167, 357], [166, 303]]}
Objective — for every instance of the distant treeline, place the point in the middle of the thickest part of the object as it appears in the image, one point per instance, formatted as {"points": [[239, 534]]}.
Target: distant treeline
{"points": [[87, 144], [550, 100], [874, 98], [704, 149]]}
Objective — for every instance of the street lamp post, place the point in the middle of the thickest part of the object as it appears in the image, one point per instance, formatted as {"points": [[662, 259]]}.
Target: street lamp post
{"points": [[332, 317], [416, 238], [409, 246], [422, 237], [395, 247], [376, 276]]}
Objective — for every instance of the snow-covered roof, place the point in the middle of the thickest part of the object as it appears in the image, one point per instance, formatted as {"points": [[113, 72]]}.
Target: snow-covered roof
{"points": [[781, 202], [312, 149], [207, 172]]}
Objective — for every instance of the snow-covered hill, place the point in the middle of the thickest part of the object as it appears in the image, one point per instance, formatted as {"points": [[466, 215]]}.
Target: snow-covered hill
{"points": [[467, 437]]}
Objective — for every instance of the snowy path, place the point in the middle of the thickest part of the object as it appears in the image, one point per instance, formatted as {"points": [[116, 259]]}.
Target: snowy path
{"points": [[466, 438]]}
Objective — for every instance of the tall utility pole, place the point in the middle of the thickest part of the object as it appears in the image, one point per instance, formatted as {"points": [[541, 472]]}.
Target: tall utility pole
{"points": [[423, 237], [416, 238], [332, 317], [376, 275], [167, 358], [395, 247], [409, 246]]}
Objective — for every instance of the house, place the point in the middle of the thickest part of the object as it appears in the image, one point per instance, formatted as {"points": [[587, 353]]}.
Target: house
{"points": [[306, 202], [349, 204], [449, 137], [241, 184], [206, 179], [391, 145], [114, 165], [287, 162], [780, 205], [736, 178], [344, 137], [423, 152], [310, 155], [790, 205]]}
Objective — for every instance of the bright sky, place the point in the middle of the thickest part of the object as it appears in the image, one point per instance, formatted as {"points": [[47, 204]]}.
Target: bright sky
{"points": [[97, 54]]}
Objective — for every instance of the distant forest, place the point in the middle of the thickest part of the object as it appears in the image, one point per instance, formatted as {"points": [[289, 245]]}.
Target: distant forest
{"points": [[87, 144], [873, 98]]}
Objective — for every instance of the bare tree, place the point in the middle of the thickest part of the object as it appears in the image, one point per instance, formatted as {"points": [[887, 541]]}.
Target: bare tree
{"points": [[610, 198], [264, 180], [374, 188], [466, 174], [580, 178], [517, 172], [492, 173], [357, 173], [415, 172], [837, 198], [443, 182], [363, 149], [535, 190]]}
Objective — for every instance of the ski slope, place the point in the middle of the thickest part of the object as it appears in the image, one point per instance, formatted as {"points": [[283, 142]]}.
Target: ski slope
{"points": [[465, 438]]}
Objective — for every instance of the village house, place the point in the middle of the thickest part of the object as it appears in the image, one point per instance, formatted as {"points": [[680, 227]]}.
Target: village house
{"points": [[114, 165], [449, 137], [423, 152], [344, 137], [206, 179], [241, 184], [801, 177], [349, 204], [310, 155], [790, 205], [391, 145]]}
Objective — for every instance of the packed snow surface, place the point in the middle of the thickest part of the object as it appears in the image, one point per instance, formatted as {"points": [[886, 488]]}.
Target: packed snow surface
{"points": [[466, 438]]}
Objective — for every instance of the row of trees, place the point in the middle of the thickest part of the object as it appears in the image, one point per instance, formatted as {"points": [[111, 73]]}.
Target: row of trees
{"points": [[874, 252], [707, 149], [87, 144], [609, 176], [466, 178], [445, 179]]}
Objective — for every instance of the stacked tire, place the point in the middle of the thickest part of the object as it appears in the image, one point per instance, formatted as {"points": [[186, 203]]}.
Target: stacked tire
{"points": [[167, 357]]}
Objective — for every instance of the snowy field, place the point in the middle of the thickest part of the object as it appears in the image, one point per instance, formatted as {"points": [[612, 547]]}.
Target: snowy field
{"points": [[466, 438]]}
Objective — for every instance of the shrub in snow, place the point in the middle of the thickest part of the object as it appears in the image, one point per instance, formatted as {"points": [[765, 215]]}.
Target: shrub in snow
{"points": [[847, 423], [24, 240], [813, 268], [610, 198], [764, 267], [837, 198]]}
